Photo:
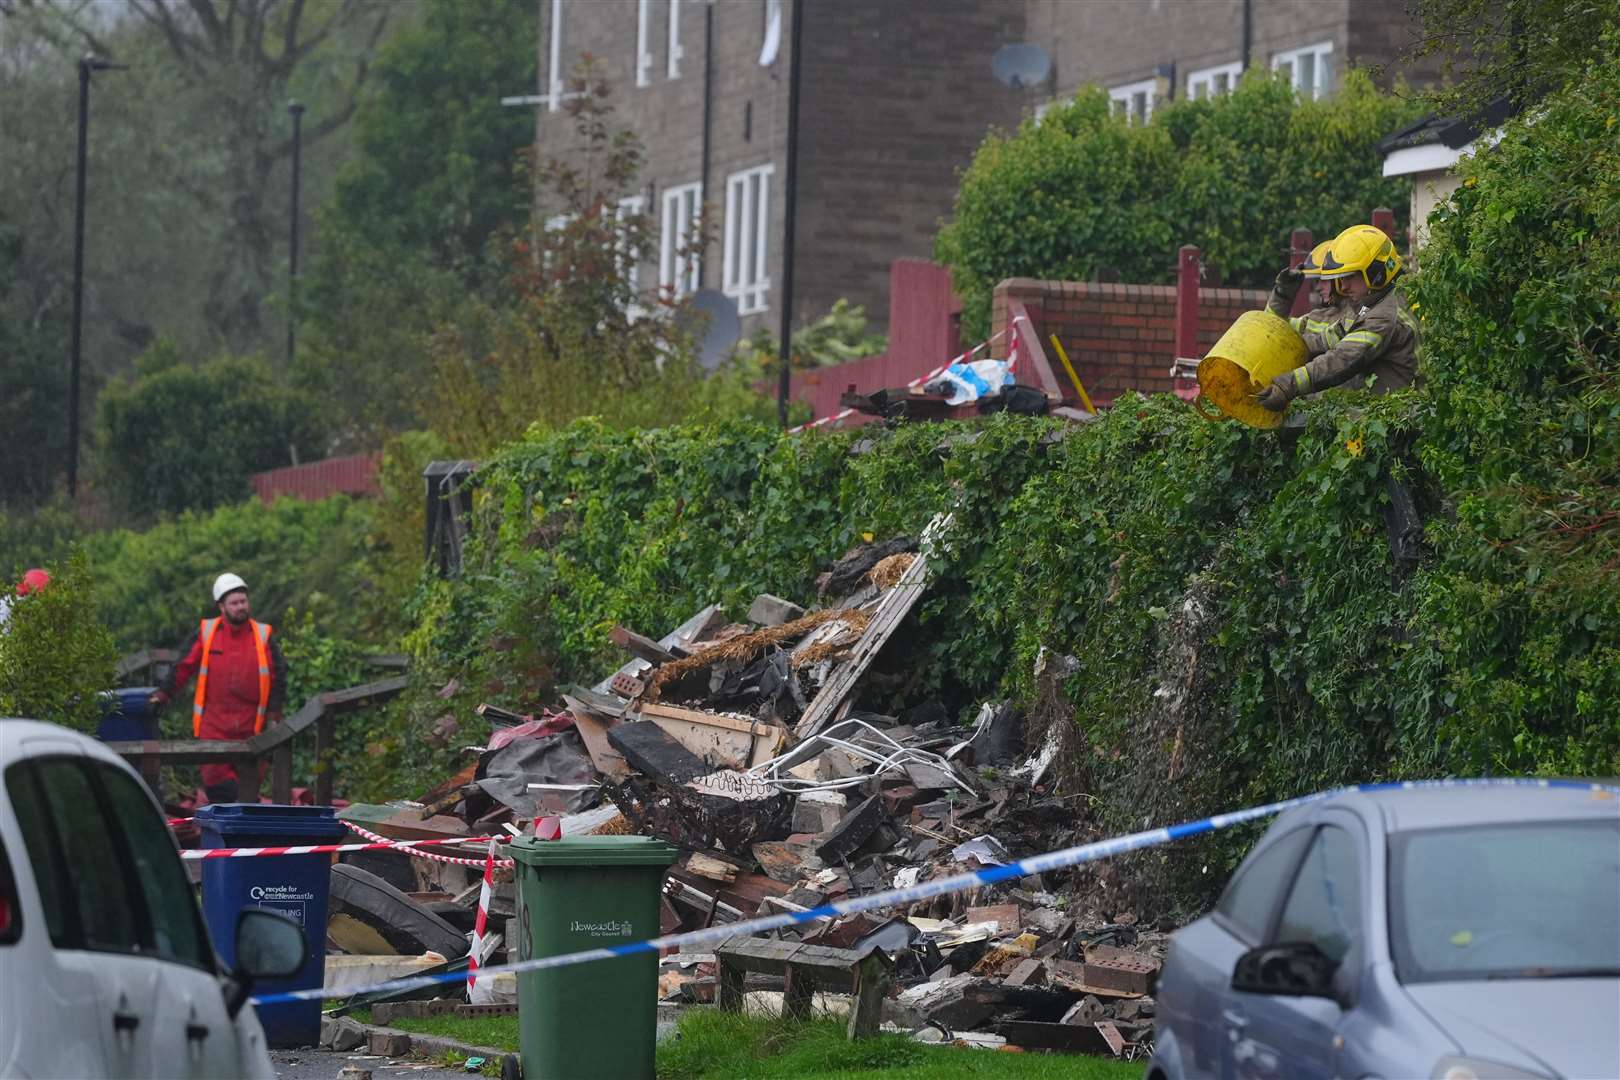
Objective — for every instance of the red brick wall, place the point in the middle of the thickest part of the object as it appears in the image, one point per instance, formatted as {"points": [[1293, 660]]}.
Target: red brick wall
{"points": [[355, 475], [1119, 337]]}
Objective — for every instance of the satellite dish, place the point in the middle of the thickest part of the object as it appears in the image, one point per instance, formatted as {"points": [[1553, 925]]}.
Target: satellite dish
{"points": [[721, 328], [1021, 66]]}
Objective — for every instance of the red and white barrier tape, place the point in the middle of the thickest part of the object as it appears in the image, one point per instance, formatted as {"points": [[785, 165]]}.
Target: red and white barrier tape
{"points": [[411, 851], [483, 918], [407, 846], [918, 381]]}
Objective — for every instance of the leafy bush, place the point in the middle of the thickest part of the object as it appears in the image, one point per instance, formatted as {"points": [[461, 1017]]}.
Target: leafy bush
{"points": [[189, 438], [55, 656], [1520, 301], [1081, 191], [153, 586]]}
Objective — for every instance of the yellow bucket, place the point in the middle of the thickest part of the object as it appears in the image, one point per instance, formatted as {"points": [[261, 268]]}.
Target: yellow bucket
{"points": [[1253, 351]]}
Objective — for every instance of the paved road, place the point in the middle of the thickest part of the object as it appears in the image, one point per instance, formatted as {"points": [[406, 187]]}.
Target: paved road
{"points": [[325, 1064]]}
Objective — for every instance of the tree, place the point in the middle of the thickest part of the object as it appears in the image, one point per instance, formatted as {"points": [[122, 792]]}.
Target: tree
{"points": [[580, 339], [55, 656], [190, 153], [408, 229], [1517, 49], [33, 404], [1082, 191], [179, 437]]}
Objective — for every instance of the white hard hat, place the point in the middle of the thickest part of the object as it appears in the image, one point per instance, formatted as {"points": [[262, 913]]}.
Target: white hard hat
{"points": [[227, 583]]}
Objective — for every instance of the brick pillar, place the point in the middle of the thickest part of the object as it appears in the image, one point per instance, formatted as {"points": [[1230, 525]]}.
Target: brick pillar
{"points": [[1188, 265], [1384, 218], [1299, 246]]}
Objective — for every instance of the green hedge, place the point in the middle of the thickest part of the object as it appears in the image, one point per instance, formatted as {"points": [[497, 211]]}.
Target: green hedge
{"points": [[1080, 191]]}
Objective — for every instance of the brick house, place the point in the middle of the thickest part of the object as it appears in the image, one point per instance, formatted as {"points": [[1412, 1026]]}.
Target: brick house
{"points": [[895, 96]]}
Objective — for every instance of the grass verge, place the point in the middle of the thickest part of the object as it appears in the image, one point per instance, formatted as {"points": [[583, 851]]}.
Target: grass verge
{"points": [[711, 1045], [495, 1032]]}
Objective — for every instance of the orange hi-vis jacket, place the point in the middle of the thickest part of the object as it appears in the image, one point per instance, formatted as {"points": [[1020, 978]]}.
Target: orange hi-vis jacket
{"points": [[261, 654], [241, 679]]}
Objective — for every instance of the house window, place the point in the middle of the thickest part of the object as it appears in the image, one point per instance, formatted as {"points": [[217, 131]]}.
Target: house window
{"points": [[678, 268], [629, 254], [1134, 100], [748, 221], [676, 53], [1309, 70], [1214, 81], [643, 42], [554, 101]]}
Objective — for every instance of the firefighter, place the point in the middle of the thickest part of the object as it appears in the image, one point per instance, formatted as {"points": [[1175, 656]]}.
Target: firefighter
{"points": [[1376, 342], [241, 680]]}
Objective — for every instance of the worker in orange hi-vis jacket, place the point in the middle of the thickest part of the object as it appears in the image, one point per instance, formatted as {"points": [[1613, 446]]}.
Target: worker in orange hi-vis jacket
{"points": [[241, 680]]}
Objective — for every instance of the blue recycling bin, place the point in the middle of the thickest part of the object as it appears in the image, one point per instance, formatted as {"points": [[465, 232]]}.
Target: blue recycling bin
{"points": [[294, 885], [126, 715]]}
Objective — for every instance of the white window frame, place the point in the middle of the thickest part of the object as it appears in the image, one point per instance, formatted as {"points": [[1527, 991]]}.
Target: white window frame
{"points": [[1124, 96], [680, 273], [676, 53], [554, 99], [629, 262], [1203, 82], [644, 57], [745, 276], [1321, 55]]}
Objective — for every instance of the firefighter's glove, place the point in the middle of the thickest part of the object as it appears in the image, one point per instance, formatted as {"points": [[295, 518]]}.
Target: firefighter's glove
{"points": [[1289, 282], [1283, 389]]}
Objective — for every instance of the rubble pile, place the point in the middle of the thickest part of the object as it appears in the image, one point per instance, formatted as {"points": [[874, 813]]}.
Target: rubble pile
{"points": [[741, 744]]}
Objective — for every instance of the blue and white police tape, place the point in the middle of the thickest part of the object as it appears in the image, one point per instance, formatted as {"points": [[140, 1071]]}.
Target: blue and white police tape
{"points": [[1055, 860]]}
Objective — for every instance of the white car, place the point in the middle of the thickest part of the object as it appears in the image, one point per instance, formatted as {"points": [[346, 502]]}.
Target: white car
{"points": [[106, 968]]}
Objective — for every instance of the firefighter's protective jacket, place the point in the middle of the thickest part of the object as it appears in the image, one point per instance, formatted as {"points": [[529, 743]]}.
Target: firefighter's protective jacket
{"points": [[1379, 340]]}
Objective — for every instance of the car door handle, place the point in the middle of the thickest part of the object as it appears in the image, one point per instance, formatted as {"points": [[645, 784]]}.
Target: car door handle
{"points": [[125, 1021], [196, 1032], [1234, 1019]]}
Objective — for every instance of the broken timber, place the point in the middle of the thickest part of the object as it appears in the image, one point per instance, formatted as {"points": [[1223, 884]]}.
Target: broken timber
{"points": [[892, 609], [808, 968]]}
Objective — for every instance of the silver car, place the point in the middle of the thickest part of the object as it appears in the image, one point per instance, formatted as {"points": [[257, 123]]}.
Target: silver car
{"points": [[1456, 933], [106, 968]]}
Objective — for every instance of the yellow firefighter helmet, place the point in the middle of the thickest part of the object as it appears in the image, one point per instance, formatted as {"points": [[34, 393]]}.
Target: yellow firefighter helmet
{"points": [[1363, 250]]}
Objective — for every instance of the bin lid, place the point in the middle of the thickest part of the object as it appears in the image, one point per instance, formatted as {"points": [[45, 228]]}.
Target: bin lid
{"points": [[258, 819], [592, 851]]}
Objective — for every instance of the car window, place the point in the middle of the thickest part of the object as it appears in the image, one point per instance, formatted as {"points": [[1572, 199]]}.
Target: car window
{"points": [[45, 855], [177, 932], [1324, 906], [1522, 900], [1252, 895], [110, 910], [10, 902]]}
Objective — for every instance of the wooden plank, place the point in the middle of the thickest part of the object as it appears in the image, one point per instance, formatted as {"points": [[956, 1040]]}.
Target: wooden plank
{"points": [[685, 634], [593, 730], [732, 977], [892, 609], [720, 740], [325, 740], [185, 751], [402, 823], [249, 778], [871, 987], [643, 647], [364, 694], [798, 993], [281, 775]]}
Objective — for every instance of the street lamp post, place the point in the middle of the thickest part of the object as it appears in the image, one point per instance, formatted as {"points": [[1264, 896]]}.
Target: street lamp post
{"points": [[297, 111], [88, 64]]}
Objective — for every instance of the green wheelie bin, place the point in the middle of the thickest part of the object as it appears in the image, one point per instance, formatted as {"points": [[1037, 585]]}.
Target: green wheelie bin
{"points": [[596, 1020]]}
